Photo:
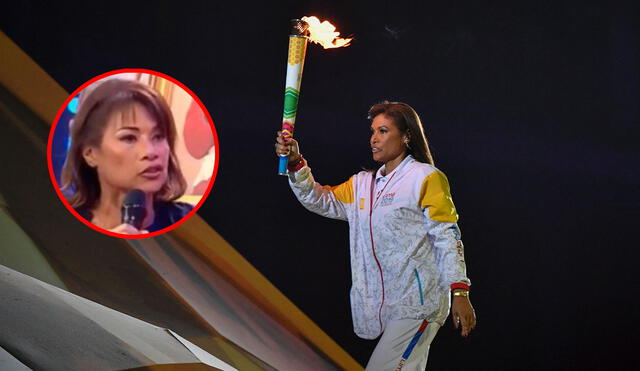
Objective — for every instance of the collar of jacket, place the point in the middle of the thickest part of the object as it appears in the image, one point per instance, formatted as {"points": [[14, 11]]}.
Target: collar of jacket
{"points": [[406, 160]]}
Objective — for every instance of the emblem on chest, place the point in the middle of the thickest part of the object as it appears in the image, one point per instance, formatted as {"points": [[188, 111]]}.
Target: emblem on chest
{"points": [[387, 199]]}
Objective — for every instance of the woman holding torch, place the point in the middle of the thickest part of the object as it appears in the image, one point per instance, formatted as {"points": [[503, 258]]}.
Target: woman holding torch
{"points": [[407, 257]]}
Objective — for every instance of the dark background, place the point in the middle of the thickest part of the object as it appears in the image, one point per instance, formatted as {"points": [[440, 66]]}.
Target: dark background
{"points": [[531, 109]]}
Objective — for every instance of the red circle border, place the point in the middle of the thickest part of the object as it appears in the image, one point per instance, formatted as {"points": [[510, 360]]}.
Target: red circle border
{"points": [[55, 182]]}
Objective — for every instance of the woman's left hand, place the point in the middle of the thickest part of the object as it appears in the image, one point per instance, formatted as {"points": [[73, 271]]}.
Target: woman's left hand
{"points": [[463, 314]]}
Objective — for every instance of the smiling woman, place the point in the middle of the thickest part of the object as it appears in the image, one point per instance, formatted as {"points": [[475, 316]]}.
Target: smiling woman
{"points": [[407, 257]]}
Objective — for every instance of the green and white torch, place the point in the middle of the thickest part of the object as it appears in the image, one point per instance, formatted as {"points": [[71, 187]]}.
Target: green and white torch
{"points": [[295, 63], [302, 30]]}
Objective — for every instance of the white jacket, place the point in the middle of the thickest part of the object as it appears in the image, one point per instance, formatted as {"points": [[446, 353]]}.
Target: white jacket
{"points": [[406, 252]]}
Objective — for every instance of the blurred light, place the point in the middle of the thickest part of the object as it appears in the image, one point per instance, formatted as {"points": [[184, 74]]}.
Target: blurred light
{"points": [[73, 105]]}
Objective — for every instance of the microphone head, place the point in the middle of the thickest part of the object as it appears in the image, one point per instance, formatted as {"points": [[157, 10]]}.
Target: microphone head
{"points": [[134, 208]]}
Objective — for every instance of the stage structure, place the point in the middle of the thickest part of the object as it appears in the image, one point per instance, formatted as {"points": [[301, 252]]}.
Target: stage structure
{"points": [[190, 281]]}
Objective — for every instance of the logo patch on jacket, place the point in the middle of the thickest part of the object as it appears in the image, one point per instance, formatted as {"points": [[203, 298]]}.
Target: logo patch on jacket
{"points": [[387, 199], [362, 204]]}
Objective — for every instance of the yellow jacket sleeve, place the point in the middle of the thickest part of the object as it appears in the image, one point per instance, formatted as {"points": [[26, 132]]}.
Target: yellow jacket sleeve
{"points": [[436, 196], [343, 192]]}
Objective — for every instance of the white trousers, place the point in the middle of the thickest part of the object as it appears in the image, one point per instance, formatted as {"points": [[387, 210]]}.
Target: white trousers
{"points": [[404, 345]]}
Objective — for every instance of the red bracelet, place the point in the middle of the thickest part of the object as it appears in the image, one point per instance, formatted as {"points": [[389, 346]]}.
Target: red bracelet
{"points": [[299, 165], [459, 285]]}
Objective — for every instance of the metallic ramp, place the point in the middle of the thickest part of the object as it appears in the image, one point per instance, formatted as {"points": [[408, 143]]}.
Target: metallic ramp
{"points": [[49, 328]]}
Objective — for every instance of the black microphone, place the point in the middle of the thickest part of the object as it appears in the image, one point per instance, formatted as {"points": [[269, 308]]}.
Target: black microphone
{"points": [[133, 208]]}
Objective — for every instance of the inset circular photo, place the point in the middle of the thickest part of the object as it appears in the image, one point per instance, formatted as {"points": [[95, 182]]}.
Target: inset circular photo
{"points": [[133, 153]]}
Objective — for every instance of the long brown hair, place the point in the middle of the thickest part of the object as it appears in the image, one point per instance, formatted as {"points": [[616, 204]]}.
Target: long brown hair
{"points": [[408, 122], [79, 180]]}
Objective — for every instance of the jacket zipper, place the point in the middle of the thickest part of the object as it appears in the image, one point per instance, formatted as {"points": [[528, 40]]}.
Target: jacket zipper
{"points": [[371, 204]]}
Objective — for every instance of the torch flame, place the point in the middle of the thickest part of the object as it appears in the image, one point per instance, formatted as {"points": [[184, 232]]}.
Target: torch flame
{"points": [[325, 33]]}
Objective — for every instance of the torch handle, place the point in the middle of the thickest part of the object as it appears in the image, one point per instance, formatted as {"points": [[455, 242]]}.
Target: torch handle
{"points": [[282, 164], [295, 62]]}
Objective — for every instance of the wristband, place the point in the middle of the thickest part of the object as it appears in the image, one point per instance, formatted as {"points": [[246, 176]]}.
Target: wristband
{"points": [[297, 165], [459, 285]]}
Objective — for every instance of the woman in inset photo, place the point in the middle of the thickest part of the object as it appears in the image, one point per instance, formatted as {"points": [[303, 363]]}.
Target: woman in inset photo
{"points": [[122, 146]]}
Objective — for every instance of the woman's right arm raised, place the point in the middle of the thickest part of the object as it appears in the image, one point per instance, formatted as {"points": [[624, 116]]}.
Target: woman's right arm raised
{"points": [[323, 200]]}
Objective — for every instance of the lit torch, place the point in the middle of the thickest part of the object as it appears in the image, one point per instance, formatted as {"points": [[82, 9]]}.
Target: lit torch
{"points": [[307, 28]]}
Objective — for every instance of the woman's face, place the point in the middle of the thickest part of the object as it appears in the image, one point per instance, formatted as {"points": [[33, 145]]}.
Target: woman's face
{"points": [[387, 141], [133, 154]]}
